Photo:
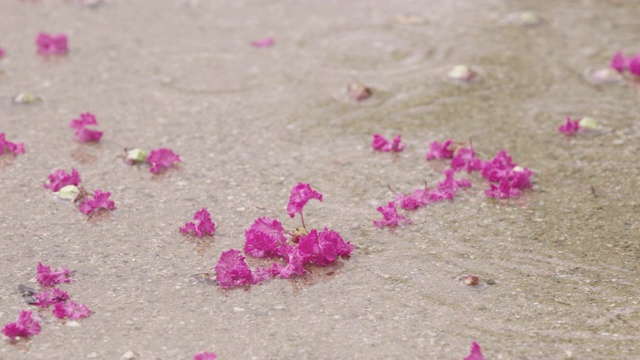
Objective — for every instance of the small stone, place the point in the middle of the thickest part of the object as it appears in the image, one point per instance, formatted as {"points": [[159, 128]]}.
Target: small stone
{"points": [[129, 355], [238, 309], [604, 76], [92, 355], [72, 324], [469, 280], [461, 73], [26, 99], [358, 91]]}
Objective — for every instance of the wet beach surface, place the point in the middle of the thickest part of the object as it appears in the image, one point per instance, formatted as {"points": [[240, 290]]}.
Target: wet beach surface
{"points": [[558, 267]]}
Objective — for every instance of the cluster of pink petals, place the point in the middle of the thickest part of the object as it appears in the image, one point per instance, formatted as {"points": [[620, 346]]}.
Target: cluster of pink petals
{"points": [[261, 43], [379, 143], [390, 216], [100, 200], [52, 44], [205, 356], [265, 238], [50, 297], [443, 150], [47, 277], [511, 179], [465, 159], [83, 134], [323, 248], [622, 63], [300, 195], [476, 352], [161, 158], [232, 270], [70, 310], [6, 145], [201, 225], [25, 326], [60, 178], [571, 127]]}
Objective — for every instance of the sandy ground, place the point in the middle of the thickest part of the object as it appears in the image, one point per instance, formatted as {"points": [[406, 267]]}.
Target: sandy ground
{"points": [[250, 123]]}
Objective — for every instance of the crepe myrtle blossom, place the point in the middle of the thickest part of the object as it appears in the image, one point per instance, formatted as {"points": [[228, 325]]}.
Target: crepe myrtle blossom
{"points": [[60, 178], [502, 191], [300, 195], [80, 128], [265, 238], [26, 326], [503, 167], [162, 158], [50, 297], [70, 310], [205, 356], [47, 277], [379, 143], [390, 216], [262, 43], [476, 352], [571, 127], [6, 145], [413, 201], [2, 52], [100, 200], [52, 44], [231, 271], [465, 159], [622, 63], [358, 91], [201, 224], [443, 150]]}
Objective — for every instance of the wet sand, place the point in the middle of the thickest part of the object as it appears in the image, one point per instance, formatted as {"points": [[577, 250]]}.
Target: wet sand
{"points": [[250, 123]]}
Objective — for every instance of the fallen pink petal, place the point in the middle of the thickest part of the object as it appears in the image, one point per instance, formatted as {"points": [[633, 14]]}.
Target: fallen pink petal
{"points": [[82, 133], [266, 42], [390, 216], [325, 247], [571, 127], [26, 326], [205, 356], [634, 65], [231, 271], [6, 145], [60, 178], [162, 158], [201, 225], [265, 238], [450, 186], [2, 52], [502, 191], [70, 310], [476, 352], [100, 200], [52, 44], [47, 277], [465, 159], [443, 150], [415, 200], [619, 62], [300, 195], [50, 297], [379, 143]]}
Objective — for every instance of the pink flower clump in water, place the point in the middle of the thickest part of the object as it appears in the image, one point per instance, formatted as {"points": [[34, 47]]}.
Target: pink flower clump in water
{"points": [[6, 145], [70, 310], [265, 238], [476, 352], [60, 178], [232, 271], [205, 356], [266, 42], [83, 134], [465, 159], [161, 159], [100, 200], [622, 63], [47, 277], [443, 150], [50, 297], [379, 143], [25, 326], [52, 44], [201, 225], [300, 195], [390, 216], [571, 127]]}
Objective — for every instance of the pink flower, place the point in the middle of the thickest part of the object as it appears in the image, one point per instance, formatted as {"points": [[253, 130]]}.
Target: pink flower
{"points": [[52, 44], [379, 143], [634, 65], [60, 178], [16, 148], [324, 248], [50, 297], [476, 353], [266, 42], [101, 200], [70, 310], [300, 195], [499, 167], [2, 52], [80, 126], [232, 270], [465, 159], [265, 238], [25, 326], [571, 127], [46, 277], [619, 62], [450, 185], [440, 150], [161, 158], [202, 226], [418, 198], [205, 356], [390, 216], [503, 191], [296, 258]]}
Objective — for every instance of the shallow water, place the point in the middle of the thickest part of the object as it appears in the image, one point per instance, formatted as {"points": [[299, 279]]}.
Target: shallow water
{"points": [[250, 123]]}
